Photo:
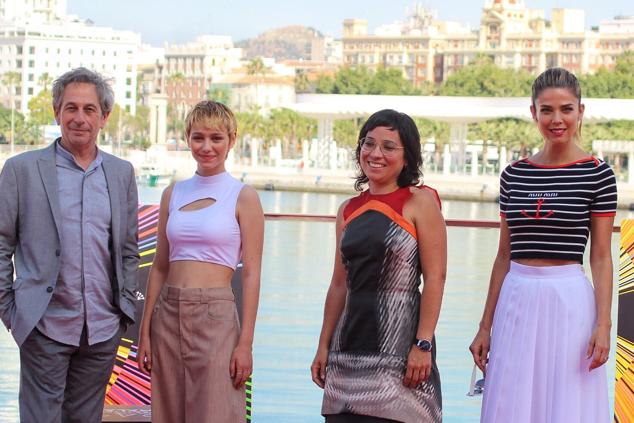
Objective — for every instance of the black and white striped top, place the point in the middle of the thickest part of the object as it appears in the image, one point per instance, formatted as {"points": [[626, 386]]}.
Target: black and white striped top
{"points": [[548, 208]]}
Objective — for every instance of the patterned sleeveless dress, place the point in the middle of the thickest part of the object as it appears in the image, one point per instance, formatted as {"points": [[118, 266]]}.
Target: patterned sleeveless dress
{"points": [[369, 348]]}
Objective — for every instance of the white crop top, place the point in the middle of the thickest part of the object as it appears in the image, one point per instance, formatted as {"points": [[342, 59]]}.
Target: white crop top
{"points": [[210, 234]]}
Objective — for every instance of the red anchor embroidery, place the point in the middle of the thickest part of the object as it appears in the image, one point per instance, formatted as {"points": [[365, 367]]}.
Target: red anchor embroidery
{"points": [[537, 215]]}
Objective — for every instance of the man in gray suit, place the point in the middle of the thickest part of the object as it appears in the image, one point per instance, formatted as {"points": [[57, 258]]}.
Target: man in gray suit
{"points": [[68, 221]]}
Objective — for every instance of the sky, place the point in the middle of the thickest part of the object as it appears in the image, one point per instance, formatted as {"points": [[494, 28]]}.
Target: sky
{"points": [[172, 21]]}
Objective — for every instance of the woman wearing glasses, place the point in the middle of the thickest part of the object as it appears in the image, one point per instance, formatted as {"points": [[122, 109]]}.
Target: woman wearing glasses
{"points": [[376, 353]]}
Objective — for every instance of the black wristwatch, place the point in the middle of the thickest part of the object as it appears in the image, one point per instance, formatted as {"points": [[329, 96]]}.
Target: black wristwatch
{"points": [[423, 344]]}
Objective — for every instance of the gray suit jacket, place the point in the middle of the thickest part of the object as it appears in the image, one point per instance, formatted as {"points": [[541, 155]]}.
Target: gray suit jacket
{"points": [[29, 232]]}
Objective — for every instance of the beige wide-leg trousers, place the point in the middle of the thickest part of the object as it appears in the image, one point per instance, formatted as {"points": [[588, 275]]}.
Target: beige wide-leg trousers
{"points": [[193, 334]]}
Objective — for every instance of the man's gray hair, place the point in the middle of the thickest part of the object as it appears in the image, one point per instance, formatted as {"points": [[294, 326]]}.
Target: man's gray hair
{"points": [[83, 75]]}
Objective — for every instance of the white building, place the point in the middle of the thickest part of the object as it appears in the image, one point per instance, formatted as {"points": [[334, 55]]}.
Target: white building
{"points": [[265, 92], [45, 10], [189, 69], [38, 38], [619, 25], [208, 56], [326, 49]]}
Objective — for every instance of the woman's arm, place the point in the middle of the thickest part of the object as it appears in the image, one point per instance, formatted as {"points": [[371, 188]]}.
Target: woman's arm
{"points": [[251, 220], [156, 279], [335, 301], [432, 249], [601, 267], [481, 343]]}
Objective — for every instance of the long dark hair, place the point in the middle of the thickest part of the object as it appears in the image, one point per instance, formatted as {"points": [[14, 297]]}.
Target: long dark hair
{"points": [[408, 132]]}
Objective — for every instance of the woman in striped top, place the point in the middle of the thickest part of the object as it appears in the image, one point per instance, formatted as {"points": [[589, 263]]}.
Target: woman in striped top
{"points": [[545, 330]]}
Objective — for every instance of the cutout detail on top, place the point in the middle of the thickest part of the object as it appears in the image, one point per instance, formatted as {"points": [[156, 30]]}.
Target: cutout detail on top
{"points": [[198, 204]]}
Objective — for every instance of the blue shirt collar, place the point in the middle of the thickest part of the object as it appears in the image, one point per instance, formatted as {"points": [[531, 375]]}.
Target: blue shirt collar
{"points": [[67, 157]]}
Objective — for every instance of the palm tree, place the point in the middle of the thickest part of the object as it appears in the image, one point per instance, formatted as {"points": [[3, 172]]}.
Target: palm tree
{"points": [[257, 68], [44, 80], [11, 79], [176, 80]]}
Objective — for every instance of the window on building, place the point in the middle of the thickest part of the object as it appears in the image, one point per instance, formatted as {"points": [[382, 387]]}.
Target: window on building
{"points": [[31, 50], [18, 63], [30, 91], [30, 77], [19, 49], [127, 108], [128, 94], [31, 63]]}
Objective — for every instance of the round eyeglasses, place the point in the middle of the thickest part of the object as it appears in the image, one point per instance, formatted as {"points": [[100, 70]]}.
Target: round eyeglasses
{"points": [[388, 148]]}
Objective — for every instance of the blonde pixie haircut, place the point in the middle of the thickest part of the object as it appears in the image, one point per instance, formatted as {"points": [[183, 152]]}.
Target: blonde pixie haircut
{"points": [[211, 113]]}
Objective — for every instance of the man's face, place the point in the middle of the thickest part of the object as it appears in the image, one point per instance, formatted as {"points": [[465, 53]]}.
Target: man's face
{"points": [[80, 116]]}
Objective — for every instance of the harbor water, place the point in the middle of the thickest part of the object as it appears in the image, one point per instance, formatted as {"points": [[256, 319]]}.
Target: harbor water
{"points": [[297, 265]]}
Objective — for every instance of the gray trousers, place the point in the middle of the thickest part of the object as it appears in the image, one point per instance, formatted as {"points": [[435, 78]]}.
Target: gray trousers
{"points": [[64, 383]]}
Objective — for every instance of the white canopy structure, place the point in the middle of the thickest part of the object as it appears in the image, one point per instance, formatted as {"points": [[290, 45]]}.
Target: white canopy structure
{"points": [[458, 112], [448, 109]]}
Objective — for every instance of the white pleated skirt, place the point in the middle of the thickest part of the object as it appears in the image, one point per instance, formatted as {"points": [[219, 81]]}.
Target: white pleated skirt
{"points": [[538, 370]]}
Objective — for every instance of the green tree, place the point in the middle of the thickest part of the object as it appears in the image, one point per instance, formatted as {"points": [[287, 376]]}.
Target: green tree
{"points": [[220, 93], [114, 129], [346, 132], [622, 130], [175, 111], [41, 109], [302, 84], [482, 78], [257, 67], [251, 123], [290, 127], [324, 84], [352, 81], [25, 132], [513, 133], [44, 81], [390, 81], [433, 128], [362, 80], [611, 83]]}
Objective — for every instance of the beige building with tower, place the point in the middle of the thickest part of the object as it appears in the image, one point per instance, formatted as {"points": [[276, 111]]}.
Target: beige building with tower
{"points": [[514, 36]]}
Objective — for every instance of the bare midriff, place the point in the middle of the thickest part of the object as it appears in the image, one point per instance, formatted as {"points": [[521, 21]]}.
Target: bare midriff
{"points": [[198, 274], [544, 262]]}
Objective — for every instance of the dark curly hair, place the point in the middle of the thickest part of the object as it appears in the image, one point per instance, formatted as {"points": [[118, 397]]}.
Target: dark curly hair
{"points": [[408, 132]]}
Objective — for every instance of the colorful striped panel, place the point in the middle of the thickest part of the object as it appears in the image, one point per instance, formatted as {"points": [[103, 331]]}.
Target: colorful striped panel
{"points": [[127, 385], [624, 386]]}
